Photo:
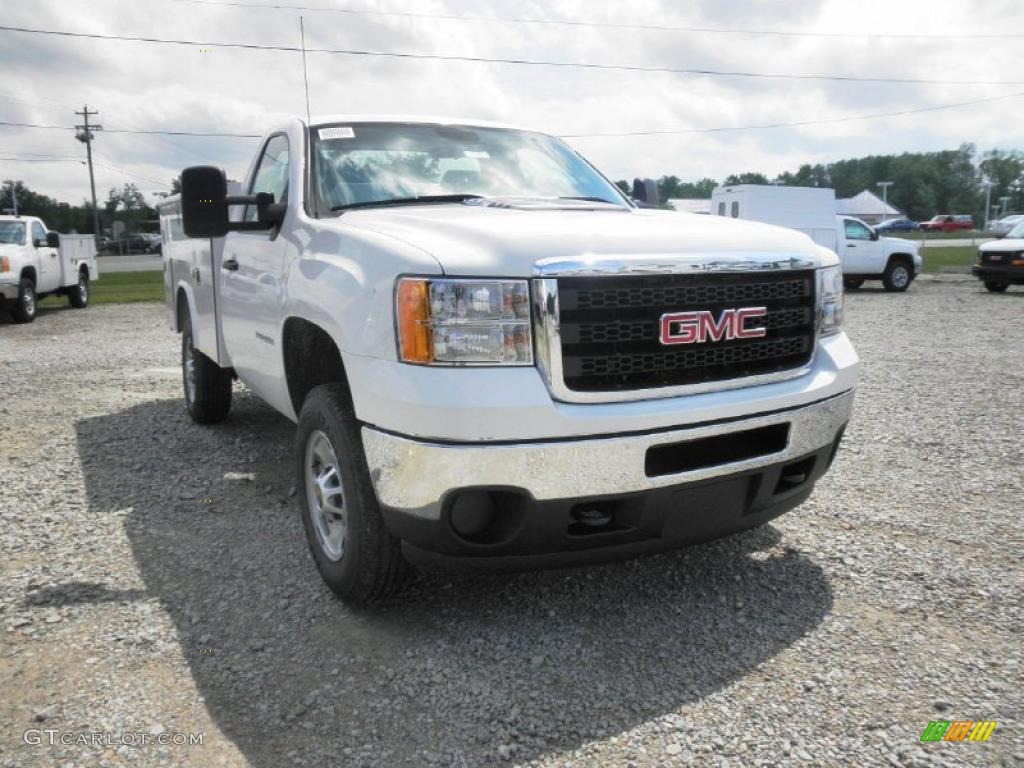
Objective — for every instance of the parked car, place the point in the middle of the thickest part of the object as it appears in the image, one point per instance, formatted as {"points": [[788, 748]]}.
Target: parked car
{"points": [[812, 210], [153, 242], [897, 225], [945, 222], [494, 357], [35, 263], [1001, 262], [1001, 227]]}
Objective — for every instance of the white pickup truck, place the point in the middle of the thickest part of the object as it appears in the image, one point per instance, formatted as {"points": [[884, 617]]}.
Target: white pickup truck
{"points": [[864, 255], [495, 358], [35, 263]]}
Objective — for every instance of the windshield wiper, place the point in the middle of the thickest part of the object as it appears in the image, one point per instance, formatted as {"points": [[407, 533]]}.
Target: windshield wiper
{"points": [[418, 199], [592, 200]]}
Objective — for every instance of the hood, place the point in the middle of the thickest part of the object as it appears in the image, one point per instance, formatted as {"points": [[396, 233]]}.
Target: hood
{"points": [[1006, 244], [902, 242], [506, 241]]}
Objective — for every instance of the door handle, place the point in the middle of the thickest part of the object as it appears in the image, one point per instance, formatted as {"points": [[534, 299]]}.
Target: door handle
{"points": [[851, 245], [230, 264]]}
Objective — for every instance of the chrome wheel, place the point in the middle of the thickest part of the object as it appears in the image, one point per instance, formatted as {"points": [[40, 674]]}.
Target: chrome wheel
{"points": [[83, 289], [900, 277], [190, 369], [325, 495], [28, 300]]}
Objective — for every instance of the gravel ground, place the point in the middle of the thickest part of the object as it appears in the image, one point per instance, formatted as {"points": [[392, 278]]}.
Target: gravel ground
{"points": [[155, 580]]}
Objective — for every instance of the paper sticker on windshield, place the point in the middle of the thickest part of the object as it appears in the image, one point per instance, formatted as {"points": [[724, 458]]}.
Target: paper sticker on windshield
{"points": [[477, 154], [336, 133]]}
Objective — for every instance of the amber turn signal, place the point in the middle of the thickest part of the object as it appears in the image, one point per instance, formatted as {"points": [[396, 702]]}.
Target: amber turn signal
{"points": [[413, 331]]}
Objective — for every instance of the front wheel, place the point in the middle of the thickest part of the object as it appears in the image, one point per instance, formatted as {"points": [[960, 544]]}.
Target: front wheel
{"points": [[78, 297], [25, 308], [852, 283], [355, 553], [993, 287], [897, 276], [207, 385]]}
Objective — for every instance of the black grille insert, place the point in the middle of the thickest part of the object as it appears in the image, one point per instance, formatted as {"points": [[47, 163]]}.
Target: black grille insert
{"points": [[610, 326], [712, 451]]}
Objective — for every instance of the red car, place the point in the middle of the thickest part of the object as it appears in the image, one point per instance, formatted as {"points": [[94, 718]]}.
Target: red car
{"points": [[945, 222]]}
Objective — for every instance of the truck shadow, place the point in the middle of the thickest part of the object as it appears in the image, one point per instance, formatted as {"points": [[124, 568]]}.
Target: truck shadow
{"points": [[457, 670]]}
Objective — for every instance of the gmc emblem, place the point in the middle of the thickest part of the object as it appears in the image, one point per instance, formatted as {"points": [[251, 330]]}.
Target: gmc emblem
{"points": [[699, 327]]}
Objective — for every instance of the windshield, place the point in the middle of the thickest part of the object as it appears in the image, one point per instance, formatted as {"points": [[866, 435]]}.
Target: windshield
{"points": [[12, 232], [1017, 231], [369, 163]]}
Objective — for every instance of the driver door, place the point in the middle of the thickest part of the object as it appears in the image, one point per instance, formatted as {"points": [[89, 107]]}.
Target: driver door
{"points": [[47, 261], [862, 255], [251, 273]]}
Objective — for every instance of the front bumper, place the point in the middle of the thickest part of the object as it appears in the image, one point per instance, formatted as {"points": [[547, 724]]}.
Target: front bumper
{"points": [[659, 488], [994, 274], [9, 291]]}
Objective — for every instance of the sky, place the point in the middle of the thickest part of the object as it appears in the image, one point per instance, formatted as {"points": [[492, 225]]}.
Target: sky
{"points": [[194, 88]]}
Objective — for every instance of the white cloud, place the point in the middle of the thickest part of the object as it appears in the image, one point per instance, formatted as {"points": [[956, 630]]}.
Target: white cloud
{"points": [[156, 86]]}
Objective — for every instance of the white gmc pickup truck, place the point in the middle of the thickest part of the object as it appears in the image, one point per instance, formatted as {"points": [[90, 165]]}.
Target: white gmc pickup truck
{"points": [[35, 263], [494, 357]]}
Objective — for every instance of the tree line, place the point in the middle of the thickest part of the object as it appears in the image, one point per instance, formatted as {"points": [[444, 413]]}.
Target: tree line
{"points": [[126, 204], [924, 183]]}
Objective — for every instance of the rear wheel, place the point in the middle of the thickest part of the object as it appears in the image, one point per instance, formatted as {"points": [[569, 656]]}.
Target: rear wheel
{"points": [[993, 287], [852, 283], [24, 310], [354, 551], [897, 276], [207, 385], [78, 297]]}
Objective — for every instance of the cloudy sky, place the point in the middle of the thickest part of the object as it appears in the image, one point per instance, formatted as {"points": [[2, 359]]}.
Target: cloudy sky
{"points": [[170, 87]]}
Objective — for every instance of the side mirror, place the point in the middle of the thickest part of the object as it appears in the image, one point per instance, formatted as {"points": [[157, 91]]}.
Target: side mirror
{"points": [[52, 240], [874, 234], [271, 214], [645, 192], [204, 203]]}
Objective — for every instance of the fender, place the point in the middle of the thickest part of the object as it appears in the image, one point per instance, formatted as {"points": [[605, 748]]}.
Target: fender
{"points": [[191, 302]]}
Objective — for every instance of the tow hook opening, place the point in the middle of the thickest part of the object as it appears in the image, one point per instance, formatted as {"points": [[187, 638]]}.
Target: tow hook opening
{"points": [[592, 517], [794, 475]]}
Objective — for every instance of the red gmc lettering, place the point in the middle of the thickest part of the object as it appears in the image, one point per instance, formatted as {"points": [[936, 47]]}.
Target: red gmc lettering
{"points": [[701, 326]]}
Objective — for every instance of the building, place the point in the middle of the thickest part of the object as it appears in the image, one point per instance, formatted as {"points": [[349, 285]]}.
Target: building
{"points": [[868, 207]]}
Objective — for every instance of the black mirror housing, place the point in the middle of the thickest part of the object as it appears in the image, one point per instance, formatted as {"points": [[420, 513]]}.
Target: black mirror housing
{"points": [[204, 206], [645, 192], [874, 234], [52, 240]]}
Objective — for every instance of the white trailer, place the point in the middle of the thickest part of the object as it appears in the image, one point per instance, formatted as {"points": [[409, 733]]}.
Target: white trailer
{"points": [[811, 210]]}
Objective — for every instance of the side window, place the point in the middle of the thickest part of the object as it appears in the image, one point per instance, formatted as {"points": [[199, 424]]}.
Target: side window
{"points": [[735, 209], [721, 209], [855, 230], [271, 174], [38, 233]]}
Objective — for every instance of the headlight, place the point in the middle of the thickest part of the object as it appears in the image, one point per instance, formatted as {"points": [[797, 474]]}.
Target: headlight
{"points": [[463, 322], [830, 300]]}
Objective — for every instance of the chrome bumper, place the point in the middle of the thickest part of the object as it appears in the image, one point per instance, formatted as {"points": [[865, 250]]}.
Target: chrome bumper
{"points": [[9, 290], [414, 476]]}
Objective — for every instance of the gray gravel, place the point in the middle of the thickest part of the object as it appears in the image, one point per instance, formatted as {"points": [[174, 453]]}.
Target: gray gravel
{"points": [[155, 579]]}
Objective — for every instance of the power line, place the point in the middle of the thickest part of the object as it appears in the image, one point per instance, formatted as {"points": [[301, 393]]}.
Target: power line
{"points": [[511, 61], [204, 134], [609, 25], [795, 123]]}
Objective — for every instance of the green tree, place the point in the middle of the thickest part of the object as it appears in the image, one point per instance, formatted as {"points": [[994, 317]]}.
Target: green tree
{"points": [[129, 205]]}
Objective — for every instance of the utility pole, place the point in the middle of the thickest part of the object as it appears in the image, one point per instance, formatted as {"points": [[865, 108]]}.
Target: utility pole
{"points": [[85, 136], [988, 202], [885, 195], [1005, 203], [14, 196]]}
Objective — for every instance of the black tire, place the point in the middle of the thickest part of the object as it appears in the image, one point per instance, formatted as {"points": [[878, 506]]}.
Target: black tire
{"points": [[78, 297], [898, 275], [993, 287], [368, 565], [208, 396], [852, 283], [24, 310]]}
